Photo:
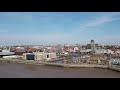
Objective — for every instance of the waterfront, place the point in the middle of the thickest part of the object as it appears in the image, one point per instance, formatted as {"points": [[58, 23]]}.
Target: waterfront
{"points": [[40, 71]]}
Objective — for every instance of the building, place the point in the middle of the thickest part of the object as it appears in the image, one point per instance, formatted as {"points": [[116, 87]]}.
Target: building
{"points": [[19, 51], [39, 56], [6, 53], [76, 49], [92, 46], [11, 57], [85, 51]]}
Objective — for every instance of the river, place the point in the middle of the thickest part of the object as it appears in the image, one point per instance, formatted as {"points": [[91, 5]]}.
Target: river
{"points": [[35, 71]]}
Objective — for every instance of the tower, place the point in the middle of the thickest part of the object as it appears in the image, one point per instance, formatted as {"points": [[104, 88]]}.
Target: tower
{"points": [[92, 46]]}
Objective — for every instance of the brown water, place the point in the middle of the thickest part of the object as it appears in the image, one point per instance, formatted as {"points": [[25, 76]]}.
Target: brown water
{"points": [[34, 71]]}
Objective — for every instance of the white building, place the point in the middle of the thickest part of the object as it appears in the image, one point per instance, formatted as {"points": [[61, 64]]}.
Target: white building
{"points": [[110, 51], [118, 51], [20, 48], [85, 50], [67, 45], [76, 49], [38, 56], [11, 57], [102, 51], [6, 52], [49, 47]]}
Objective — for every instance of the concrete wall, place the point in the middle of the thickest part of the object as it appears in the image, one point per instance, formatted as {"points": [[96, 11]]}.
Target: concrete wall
{"points": [[38, 57], [24, 56]]}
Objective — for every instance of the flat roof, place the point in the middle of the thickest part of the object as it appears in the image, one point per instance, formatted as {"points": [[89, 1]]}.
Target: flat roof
{"points": [[7, 53]]}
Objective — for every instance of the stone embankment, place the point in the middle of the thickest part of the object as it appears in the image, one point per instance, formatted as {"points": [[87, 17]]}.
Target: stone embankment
{"points": [[76, 65], [114, 68], [19, 61], [61, 65]]}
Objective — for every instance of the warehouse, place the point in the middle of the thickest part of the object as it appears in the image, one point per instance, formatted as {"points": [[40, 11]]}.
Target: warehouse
{"points": [[11, 57], [6, 53]]}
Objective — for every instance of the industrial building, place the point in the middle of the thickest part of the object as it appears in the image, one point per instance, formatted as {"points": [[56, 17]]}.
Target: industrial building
{"points": [[38, 56], [11, 57], [6, 53]]}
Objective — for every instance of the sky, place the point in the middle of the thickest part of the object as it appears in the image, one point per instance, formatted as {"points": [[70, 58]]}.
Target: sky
{"points": [[44, 28]]}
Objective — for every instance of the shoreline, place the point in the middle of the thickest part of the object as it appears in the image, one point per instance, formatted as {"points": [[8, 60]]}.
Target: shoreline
{"points": [[60, 65]]}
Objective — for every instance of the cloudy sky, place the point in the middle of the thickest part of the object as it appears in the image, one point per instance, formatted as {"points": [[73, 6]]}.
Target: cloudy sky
{"points": [[59, 27]]}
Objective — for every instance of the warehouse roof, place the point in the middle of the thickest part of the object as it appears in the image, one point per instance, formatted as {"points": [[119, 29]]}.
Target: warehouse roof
{"points": [[7, 53]]}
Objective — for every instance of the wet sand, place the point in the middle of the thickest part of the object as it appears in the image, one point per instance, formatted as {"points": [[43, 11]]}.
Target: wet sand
{"points": [[35, 71]]}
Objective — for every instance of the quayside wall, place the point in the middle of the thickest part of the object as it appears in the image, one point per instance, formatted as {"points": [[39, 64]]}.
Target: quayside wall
{"points": [[110, 67]]}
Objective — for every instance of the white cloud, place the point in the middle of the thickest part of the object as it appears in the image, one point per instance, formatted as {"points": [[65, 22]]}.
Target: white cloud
{"points": [[58, 37], [100, 20], [96, 22]]}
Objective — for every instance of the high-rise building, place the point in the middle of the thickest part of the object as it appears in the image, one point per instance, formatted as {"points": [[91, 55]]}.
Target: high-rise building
{"points": [[92, 46]]}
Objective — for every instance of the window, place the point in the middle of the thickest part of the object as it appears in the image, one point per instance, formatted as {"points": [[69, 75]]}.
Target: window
{"points": [[36, 57], [47, 56]]}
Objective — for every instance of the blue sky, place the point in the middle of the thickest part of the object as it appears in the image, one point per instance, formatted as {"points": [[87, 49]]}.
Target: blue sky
{"points": [[59, 27]]}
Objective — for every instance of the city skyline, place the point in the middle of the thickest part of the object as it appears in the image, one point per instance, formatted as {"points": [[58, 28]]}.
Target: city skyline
{"points": [[59, 27]]}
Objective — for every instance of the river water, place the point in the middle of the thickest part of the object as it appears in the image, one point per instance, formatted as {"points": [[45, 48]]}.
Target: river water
{"points": [[35, 71]]}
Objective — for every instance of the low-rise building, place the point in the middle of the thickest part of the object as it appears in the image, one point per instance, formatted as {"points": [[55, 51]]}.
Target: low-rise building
{"points": [[11, 57], [85, 51], [38, 56]]}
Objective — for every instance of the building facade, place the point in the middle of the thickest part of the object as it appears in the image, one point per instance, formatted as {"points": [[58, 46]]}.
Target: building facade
{"points": [[38, 56]]}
